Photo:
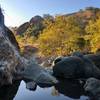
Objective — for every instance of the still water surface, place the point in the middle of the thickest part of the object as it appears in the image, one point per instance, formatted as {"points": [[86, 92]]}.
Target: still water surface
{"points": [[65, 90]]}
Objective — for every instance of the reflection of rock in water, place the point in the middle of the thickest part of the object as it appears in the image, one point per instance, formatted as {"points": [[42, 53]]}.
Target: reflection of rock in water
{"points": [[9, 92], [70, 88]]}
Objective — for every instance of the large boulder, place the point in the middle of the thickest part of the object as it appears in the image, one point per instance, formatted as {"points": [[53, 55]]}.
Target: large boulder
{"points": [[92, 87], [36, 73], [9, 54], [75, 67]]}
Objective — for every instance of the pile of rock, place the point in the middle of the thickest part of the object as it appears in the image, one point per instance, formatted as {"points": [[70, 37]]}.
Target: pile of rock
{"points": [[80, 67]]}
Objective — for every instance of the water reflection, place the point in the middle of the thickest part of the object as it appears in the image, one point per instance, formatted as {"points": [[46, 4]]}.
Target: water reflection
{"points": [[38, 94], [9, 92], [64, 90], [70, 88]]}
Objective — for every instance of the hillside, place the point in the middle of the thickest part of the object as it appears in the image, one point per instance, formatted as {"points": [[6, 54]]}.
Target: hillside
{"points": [[62, 34], [37, 21]]}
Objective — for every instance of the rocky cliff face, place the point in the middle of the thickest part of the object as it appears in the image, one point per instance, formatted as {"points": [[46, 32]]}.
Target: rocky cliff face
{"points": [[22, 28], [35, 22]]}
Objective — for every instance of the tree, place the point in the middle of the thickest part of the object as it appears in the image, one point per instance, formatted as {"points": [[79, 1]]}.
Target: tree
{"points": [[93, 29], [61, 36]]}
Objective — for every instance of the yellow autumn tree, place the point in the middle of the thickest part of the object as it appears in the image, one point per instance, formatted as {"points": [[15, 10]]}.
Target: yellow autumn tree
{"points": [[93, 28], [60, 36]]}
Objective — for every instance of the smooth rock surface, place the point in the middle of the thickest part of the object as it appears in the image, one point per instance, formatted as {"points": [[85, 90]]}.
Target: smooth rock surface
{"points": [[76, 67]]}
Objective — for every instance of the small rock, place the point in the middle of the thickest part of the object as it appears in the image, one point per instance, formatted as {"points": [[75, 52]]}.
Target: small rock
{"points": [[31, 86]]}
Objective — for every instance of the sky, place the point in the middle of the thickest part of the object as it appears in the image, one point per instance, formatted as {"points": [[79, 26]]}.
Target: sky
{"points": [[19, 11]]}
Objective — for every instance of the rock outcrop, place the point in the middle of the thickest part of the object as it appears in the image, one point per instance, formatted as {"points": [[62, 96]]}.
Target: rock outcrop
{"points": [[36, 20], [13, 65], [9, 55], [35, 25], [22, 28]]}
